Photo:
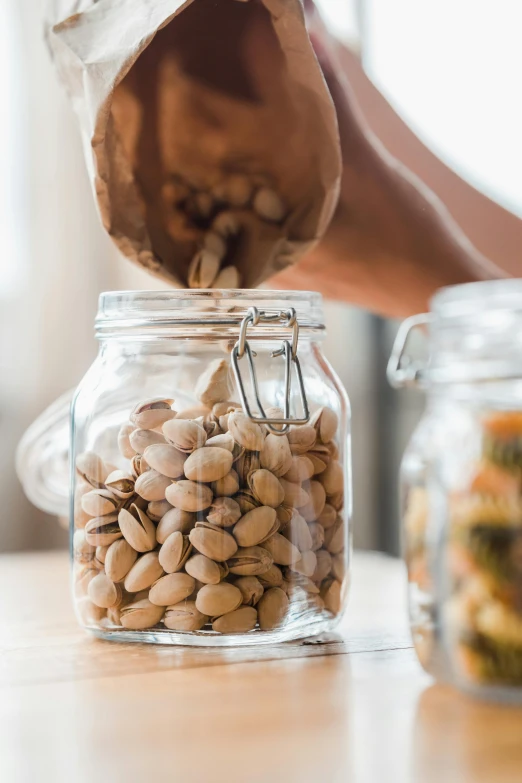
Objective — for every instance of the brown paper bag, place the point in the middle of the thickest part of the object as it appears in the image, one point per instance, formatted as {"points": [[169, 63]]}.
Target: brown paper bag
{"points": [[181, 97]]}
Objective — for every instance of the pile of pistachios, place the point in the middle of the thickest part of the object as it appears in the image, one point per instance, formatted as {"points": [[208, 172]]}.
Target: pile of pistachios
{"points": [[219, 215], [217, 525]]}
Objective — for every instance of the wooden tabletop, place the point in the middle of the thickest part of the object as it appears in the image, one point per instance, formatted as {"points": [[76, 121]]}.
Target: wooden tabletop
{"points": [[355, 709]]}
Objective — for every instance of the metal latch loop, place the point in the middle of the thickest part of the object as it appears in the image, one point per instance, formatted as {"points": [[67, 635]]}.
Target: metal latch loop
{"points": [[402, 371]]}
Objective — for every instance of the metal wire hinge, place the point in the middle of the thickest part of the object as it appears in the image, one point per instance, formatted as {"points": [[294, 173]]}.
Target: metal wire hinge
{"points": [[288, 350], [401, 370]]}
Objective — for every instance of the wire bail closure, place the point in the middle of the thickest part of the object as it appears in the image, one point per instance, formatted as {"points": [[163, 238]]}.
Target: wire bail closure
{"points": [[401, 370], [288, 350]]}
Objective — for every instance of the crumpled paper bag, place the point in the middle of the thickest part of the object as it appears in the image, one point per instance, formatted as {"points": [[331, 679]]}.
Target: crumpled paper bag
{"points": [[170, 92]]}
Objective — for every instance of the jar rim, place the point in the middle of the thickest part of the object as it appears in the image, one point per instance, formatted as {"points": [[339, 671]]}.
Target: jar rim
{"points": [[473, 299]]}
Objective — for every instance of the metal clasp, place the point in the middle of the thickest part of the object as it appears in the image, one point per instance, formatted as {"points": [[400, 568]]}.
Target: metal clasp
{"points": [[402, 370], [287, 318]]}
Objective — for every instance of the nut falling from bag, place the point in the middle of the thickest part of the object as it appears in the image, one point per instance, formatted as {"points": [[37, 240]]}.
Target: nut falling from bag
{"points": [[211, 137]]}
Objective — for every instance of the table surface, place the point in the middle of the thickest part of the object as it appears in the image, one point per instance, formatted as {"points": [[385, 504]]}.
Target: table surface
{"points": [[354, 708]]}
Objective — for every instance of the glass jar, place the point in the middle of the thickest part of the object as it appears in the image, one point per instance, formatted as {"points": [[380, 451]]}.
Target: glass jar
{"points": [[461, 488], [210, 487]]}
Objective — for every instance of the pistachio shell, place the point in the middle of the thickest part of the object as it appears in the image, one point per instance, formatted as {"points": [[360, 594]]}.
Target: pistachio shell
{"points": [[332, 478], [266, 488], [207, 464], [119, 560], [272, 578], [90, 615], [325, 422], [171, 589], [301, 469], [193, 412], [82, 548], [223, 441], [282, 550], [295, 495], [203, 269], [337, 500], [276, 455], [165, 459], [272, 608], [228, 277], [226, 486], [256, 526], [174, 520], [189, 495], [173, 554], [206, 570], [99, 502], [124, 445], [92, 469], [246, 432], [331, 595], [224, 512], [157, 509], [339, 566], [138, 466], [274, 413], [269, 205], [151, 485], [246, 501], [137, 528], [103, 592], [142, 439], [306, 564], [150, 414], [102, 531], [301, 438], [334, 537], [120, 484], [327, 516], [317, 500], [241, 620], [184, 616], [298, 532], [323, 566], [296, 579], [145, 571], [251, 589], [318, 462], [82, 580], [284, 514], [214, 542], [185, 435], [141, 614], [215, 600], [101, 554], [248, 462], [215, 384], [236, 190], [250, 561]]}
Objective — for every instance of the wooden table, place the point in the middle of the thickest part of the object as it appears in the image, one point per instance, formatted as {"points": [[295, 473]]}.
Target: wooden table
{"points": [[353, 709]]}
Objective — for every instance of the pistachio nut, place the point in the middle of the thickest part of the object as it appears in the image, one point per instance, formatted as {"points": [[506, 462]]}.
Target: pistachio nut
{"points": [[215, 384], [284, 514], [212, 428], [82, 548], [213, 541], [327, 516], [301, 438], [272, 608], [223, 441], [151, 414], [124, 445], [228, 277], [339, 566], [269, 205], [174, 520], [236, 190], [92, 469], [215, 244], [103, 592], [215, 600], [220, 409], [332, 478], [256, 526], [317, 500], [266, 488], [271, 578], [141, 614], [226, 224], [334, 537], [102, 531], [325, 422], [333, 449], [142, 439], [184, 616], [301, 469], [120, 484], [337, 500], [189, 495], [152, 485], [317, 461], [246, 501], [185, 435], [89, 613], [282, 551], [157, 509], [306, 564], [274, 413], [295, 495], [251, 589], [171, 589], [145, 571], [331, 595], [174, 553], [193, 413], [166, 460], [119, 560], [138, 466], [206, 570], [203, 269], [101, 554], [82, 579], [207, 464], [226, 486], [324, 565], [246, 432], [296, 579], [80, 516], [276, 455], [317, 533], [137, 528], [248, 462], [250, 561], [99, 502], [241, 620], [114, 616], [224, 512], [298, 532]]}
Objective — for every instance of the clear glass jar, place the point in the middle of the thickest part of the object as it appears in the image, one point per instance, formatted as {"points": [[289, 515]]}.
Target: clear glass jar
{"points": [[461, 487], [192, 522]]}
